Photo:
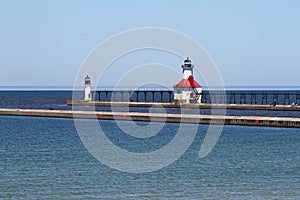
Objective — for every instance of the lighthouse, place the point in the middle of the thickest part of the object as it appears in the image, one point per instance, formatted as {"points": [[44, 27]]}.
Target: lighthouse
{"points": [[187, 90], [88, 89]]}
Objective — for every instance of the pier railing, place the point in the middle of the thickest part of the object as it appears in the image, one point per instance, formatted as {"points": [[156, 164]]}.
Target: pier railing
{"points": [[134, 95], [258, 97]]}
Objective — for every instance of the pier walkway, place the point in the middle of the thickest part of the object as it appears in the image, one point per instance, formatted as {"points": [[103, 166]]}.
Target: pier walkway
{"points": [[158, 117], [190, 106]]}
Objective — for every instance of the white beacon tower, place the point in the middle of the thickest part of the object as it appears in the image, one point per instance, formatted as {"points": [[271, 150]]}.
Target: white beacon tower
{"points": [[88, 89]]}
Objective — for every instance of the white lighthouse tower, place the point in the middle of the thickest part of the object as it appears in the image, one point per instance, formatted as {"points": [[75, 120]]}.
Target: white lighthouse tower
{"points": [[88, 89], [187, 90]]}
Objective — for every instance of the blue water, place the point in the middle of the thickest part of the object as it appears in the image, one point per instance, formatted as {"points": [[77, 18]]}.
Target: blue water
{"points": [[43, 158]]}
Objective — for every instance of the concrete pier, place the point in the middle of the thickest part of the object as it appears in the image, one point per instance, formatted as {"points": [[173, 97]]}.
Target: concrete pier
{"points": [[158, 117], [191, 106]]}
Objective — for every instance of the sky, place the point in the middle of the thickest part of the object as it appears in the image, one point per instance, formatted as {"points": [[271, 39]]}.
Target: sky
{"points": [[252, 42]]}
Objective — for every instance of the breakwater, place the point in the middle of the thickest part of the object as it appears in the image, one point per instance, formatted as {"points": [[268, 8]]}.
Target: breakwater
{"points": [[158, 117]]}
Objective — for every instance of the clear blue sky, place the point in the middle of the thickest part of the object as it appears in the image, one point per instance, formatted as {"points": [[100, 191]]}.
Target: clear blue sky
{"points": [[252, 42]]}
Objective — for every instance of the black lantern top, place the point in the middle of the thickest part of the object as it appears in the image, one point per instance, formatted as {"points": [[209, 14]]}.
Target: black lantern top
{"points": [[187, 64], [87, 80]]}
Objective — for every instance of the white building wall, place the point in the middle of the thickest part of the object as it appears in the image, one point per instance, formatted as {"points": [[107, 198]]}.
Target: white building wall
{"points": [[199, 90], [177, 96], [187, 96]]}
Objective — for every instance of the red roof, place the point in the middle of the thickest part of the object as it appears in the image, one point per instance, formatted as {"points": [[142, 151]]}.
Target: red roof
{"points": [[187, 83]]}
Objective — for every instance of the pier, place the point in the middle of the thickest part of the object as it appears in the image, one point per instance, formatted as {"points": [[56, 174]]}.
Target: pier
{"points": [[146, 95], [190, 106], [158, 117], [255, 97]]}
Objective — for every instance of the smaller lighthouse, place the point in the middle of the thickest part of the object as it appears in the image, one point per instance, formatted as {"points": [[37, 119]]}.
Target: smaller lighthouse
{"points": [[88, 89], [187, 90]]}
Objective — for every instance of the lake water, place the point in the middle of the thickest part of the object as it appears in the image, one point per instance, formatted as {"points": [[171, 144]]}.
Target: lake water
{"points": [[44, 158]]}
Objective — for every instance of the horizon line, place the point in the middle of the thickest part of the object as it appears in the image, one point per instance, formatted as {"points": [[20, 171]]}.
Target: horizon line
{"points": [[71, 88]]}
